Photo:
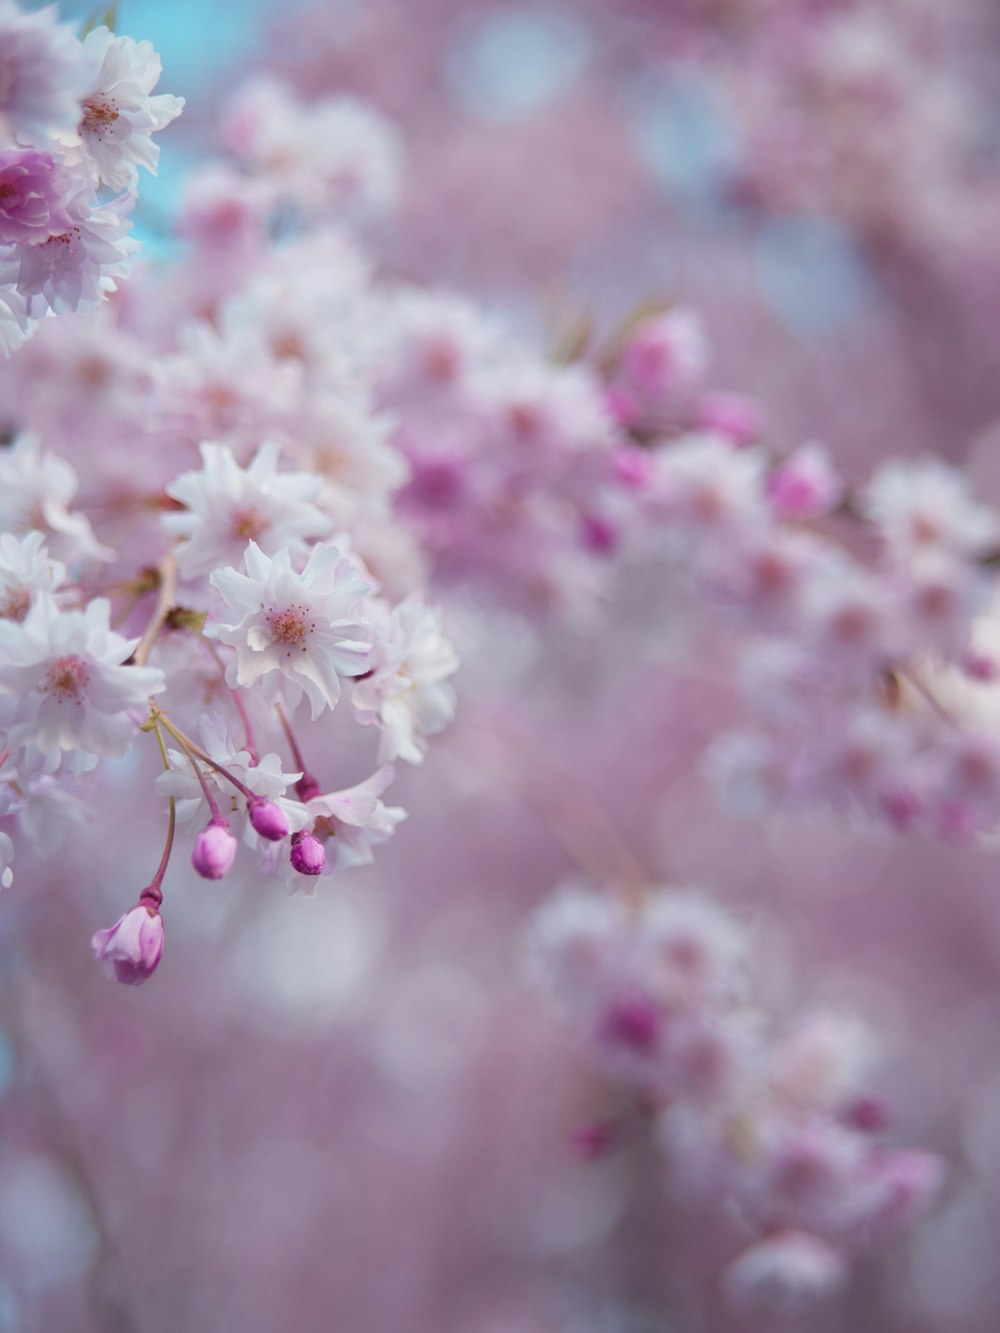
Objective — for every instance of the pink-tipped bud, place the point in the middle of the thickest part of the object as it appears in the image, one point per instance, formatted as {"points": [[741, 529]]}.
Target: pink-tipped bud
{"points": [[596, 1140], [868, 1114], [308, 854], [268, 819], [903, 1186], [632, 467], [665, 355], [307, 788], [733, 415], [599, 534], [805, 485], [214, 851], [903, 807], [978, 666], [131, 949], [634, 1023]]}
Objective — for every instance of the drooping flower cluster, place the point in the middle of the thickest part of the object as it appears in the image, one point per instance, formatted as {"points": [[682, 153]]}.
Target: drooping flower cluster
{"points": [[282, 630], [251, 597], [76, 123], [770, 1125]]}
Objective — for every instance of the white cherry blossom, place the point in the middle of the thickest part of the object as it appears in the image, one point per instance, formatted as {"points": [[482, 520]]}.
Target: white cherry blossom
{"points": [[227, 505], [42, 78], [74, 697], [76, 267], [25, 569], [407, 694], [120, 115], [924, 505], [353, 821], [295, 633], [36, 490]]}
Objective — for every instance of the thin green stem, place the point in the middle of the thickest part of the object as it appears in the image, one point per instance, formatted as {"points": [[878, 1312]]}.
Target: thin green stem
{"points": [[161, 870]]}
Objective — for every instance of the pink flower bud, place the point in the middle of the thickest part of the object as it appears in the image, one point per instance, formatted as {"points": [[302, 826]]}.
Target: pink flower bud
{"points": [[307, 788], [633, 1023], [667, 354], [733, 415], [903, 1185], [868, 1114], [633, 467], [805, 485], [597, 1139], [902, 806], [308, 854], [131, 949], [599, 534], [214, 850], [268, 819], [979, 666]]}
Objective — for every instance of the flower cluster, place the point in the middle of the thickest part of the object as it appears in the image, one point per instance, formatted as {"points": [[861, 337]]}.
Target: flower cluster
{"points": [[771, 1124], [76, 124], [278, 632], [265, 589], [842, 613]]}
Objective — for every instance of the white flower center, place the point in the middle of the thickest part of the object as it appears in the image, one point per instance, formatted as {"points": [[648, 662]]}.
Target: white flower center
{"points": [[291, 627], [247, 524], [67, 679], [15, 604], [99, 114]]}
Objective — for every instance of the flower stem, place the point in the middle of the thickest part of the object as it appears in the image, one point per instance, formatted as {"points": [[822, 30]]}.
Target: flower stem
{"points": [[191, 748], [213, 804], [164, 602], [153, 891]]}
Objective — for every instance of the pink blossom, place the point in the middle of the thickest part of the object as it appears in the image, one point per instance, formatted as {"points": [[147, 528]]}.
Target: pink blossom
{"points": [[268, 819], [131, 949], [32, 192], [74, 268], [214, 851], [120, 115], [805, 485], [308, 854], [42, 75]]}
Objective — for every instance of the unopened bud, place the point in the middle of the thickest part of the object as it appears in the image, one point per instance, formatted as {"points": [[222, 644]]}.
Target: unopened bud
{"points": [[131, 949], [308, 854], [268, 819], [214, 850]]}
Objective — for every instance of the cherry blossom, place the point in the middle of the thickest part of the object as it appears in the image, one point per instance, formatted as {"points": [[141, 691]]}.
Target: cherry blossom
{"points": [[353, 821], [75, 267], [294, 632], [131, 949], [32, 194], [225, 506], [75, 698], [406, 694], [120, 115], [25, 570], [42, 79], [36, 489]]}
